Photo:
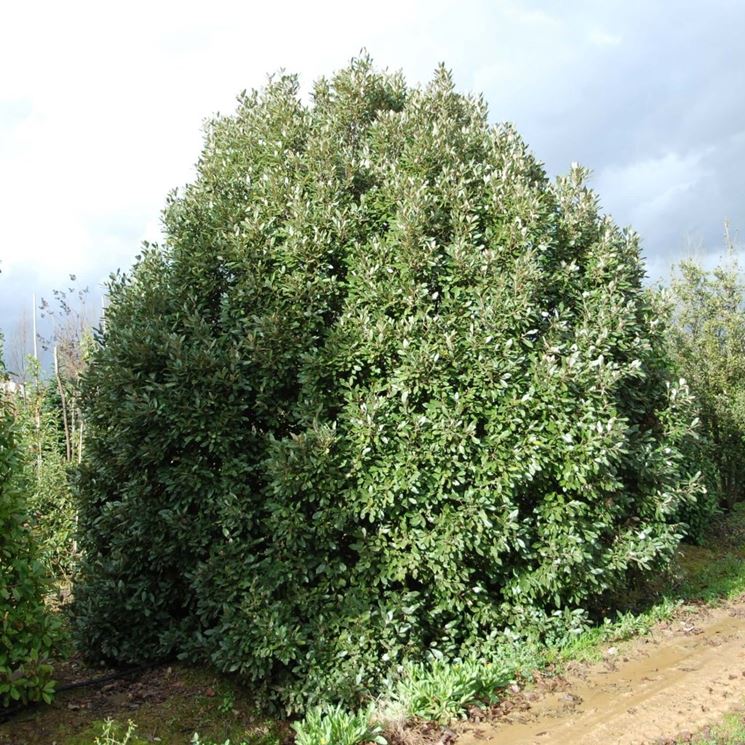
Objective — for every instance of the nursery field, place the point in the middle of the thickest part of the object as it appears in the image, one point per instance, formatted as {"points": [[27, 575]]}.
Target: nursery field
{"points": [[389, 441]]}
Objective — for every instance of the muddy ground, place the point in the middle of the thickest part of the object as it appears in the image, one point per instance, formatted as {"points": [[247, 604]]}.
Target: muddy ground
{"points": [[660, 688]]}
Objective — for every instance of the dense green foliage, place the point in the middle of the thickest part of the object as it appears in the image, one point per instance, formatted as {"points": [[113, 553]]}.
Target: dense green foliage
{"points": [[386, 390], [707, 339], [28, 632], [49, 500]]}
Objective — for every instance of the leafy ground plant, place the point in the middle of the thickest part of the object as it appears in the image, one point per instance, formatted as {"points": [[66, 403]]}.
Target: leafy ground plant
{"points": [[336, 726], [439, 691]]}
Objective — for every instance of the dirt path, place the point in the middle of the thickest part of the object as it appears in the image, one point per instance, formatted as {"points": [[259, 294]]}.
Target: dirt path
{"points": [[682, 677]]}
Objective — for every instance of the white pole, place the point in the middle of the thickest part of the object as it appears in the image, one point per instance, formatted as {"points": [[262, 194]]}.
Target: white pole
{"points": [[33, 315]]}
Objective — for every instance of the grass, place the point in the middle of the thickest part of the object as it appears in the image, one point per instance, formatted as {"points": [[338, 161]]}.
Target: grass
{"points": [[730, 731], [222, 711]]}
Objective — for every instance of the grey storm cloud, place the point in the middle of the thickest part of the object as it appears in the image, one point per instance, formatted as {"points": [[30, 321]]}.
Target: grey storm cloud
{"points": [[647, 95]]}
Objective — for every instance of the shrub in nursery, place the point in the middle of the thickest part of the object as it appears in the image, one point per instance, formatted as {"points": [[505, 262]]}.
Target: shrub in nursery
{"points": [[707, 342], [28, 632], [50, 504], [384, 389]]}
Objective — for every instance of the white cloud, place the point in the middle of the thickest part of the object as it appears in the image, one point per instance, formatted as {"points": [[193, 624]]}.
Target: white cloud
{"points": [[642, 191], [115, 99], [603, 38], [531, 16]]}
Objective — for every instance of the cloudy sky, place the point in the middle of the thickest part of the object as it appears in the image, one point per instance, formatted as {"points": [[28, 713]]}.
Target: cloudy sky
{"points": [[101, 106]]}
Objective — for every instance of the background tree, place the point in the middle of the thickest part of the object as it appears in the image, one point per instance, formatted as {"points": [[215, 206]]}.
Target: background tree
{"points": [[69, 342], [49, 423], [708, 346], [51, 507], [385, 391], [21, 346]]}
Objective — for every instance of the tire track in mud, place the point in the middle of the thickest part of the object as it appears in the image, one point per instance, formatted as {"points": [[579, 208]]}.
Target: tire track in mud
{"points": [[683, 676]]}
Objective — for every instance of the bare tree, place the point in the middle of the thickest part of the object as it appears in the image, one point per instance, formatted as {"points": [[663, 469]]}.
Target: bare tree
{"points": [[72, 320], [20, 346]]}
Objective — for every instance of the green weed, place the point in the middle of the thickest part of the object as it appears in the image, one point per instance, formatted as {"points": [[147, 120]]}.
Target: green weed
{"points": [[335, 726], [114, 734]]}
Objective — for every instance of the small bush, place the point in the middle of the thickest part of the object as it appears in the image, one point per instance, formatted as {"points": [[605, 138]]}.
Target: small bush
{"points": [[49, 500], [385, 390], [441, 691], [28, 632]]}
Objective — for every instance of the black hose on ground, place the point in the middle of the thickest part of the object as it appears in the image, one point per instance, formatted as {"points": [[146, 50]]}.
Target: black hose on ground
{"points": [[7, 714]]}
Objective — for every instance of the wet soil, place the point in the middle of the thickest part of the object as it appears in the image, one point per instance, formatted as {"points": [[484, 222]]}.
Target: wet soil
{"points": [[685, 675]]}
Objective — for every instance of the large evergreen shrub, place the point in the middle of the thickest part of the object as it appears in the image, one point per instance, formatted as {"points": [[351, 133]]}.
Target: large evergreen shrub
{"points": [[28, 631], [384, 390]]}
